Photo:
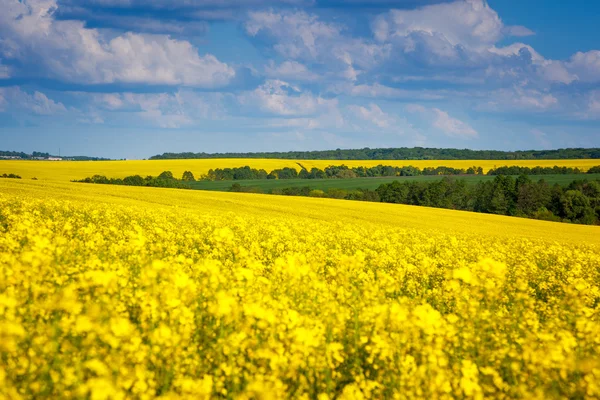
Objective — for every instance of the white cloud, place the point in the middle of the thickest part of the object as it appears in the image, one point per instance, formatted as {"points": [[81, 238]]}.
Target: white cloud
{"points": [[90, 119], [520, 99], [298, 33], [551, 71], [442, 121], [290, 70], [458, 41], [187, 4], [165, 110], [590, 110], [378, 90], [453, 127], [556, 71], [518, 30], [380, 125], [465, 33], [585, 65], [32, 103], [374, 115], [594, 103], [281, 98], [299, 36], [112, 101], [70, 51], [470, 23], [517, 49]]}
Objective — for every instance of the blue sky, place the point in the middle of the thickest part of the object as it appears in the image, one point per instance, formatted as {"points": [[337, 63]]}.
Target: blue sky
{"points": [[133, 78]]}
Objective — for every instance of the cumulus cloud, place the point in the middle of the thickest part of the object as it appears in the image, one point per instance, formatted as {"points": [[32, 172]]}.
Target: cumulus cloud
{"points": [[556, 71], [517, 50], [458, 40], [70, 51], [465, 34], [586, 66], [448, 34], [32, 103], [470, 23], [300, 36]]}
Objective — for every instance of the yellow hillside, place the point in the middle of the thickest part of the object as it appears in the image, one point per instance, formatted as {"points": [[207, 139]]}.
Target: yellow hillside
{"points": [[309, 209], [110, 292]]}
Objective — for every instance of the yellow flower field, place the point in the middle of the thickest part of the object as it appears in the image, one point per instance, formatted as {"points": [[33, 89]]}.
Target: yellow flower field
{"points": [[70, 170], [110, 292]]}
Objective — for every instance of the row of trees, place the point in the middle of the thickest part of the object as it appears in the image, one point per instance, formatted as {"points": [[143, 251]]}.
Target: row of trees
{"points": [[579, 202], [333, 193], [11, 176], [403, 153], [39, 154], [345, 172], [555, 170], [338, 172], [164, 180]]}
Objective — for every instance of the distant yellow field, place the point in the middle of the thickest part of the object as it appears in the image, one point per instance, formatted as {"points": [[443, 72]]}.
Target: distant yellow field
{"points": [[69, 170]]}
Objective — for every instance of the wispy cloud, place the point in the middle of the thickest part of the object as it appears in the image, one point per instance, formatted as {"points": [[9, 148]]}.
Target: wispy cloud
{"points": [[441, 120]]}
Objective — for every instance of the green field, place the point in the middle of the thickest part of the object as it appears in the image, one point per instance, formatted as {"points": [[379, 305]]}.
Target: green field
{"points": [[367, 183]]}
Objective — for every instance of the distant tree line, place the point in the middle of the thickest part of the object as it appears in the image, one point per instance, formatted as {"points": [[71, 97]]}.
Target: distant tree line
{"points": [[334, 193], [556, 170], [579, 202], [345, 172], [338, 172], [402, 153], [164, 180], [38, 154], [10, 176]]}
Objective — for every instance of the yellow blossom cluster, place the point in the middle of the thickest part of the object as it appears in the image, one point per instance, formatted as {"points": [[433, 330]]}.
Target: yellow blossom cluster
{"points": [[118, 293], [73, 170]]}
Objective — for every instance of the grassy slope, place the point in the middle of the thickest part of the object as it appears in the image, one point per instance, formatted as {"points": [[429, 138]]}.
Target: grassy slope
{"points": [[341, 212], [367, 183]]}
